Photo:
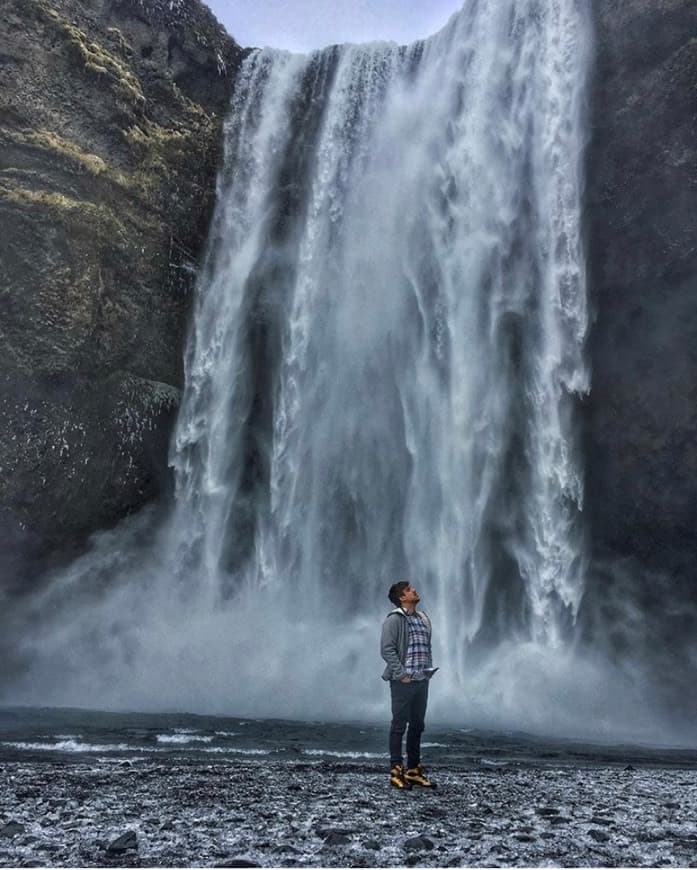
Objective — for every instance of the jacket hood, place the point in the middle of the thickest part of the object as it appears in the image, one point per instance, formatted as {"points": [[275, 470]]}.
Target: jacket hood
{"points": [[402, 613]]}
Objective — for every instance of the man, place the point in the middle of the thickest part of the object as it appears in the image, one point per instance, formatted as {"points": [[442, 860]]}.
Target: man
{"points": [[406, 647]]}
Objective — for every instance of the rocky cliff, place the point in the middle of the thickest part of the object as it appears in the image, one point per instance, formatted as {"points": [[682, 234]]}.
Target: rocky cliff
{"points": [[110, 131], [641, 434]]}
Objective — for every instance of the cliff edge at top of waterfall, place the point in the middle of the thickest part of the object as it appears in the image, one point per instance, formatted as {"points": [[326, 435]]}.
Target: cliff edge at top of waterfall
{"points": [[110, 133]]}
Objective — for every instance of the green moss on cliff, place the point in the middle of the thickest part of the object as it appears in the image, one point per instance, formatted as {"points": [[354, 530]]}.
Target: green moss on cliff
{"points": [[93, 58], [164, 151], [101, 218], [169, 155], [98, 61], [162, 154], [60, 147]]}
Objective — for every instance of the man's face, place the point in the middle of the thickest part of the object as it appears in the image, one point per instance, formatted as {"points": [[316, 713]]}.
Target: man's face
{"points": [[409, 597]]}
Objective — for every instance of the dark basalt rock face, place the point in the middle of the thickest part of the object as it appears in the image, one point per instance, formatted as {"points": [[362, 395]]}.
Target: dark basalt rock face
{"points": [[110, 134], [641, 416]]}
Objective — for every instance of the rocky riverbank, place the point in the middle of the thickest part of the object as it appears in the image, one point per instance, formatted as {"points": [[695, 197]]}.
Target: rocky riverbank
{"points": [[302, 814]]}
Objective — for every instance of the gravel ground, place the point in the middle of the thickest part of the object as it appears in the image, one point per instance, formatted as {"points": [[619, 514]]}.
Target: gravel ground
{"points": [[56, 813]]}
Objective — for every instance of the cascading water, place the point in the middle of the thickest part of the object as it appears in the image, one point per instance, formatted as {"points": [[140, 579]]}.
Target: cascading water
{"points": [[386, 351], [390, 329]]}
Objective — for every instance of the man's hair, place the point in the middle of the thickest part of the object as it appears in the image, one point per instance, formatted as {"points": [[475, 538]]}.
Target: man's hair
{"points": [[396, 590]]}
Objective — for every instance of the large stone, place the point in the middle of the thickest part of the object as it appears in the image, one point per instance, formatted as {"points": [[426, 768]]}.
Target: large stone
{"points": [[419, 843], [336, 838], [110, 134], [239, 862], [124, 843], [11, 829]]}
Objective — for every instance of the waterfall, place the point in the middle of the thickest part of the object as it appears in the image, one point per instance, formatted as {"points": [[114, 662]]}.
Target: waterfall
{"points": [[388, 337], [385, 357]]}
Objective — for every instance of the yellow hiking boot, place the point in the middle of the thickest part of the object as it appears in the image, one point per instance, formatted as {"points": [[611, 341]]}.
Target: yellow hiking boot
{"points": [[417, 776], [397, 777]]}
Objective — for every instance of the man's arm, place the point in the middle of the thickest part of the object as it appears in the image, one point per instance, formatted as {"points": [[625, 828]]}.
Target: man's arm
{"points": [[388, 647]]}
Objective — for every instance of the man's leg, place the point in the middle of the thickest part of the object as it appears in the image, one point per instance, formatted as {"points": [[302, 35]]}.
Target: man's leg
{"points": [[401, 705], [417, 716], [414, 774]]}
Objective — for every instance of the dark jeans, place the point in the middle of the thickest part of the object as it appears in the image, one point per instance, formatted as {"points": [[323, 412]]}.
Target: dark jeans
{"points": [[408, 708]]}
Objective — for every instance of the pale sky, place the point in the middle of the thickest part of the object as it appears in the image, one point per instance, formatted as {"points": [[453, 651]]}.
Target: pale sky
{"points": [[301, 25]]}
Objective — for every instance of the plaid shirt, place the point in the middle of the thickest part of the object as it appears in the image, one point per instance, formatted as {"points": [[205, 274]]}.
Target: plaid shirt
{"points": [[419, 646]]}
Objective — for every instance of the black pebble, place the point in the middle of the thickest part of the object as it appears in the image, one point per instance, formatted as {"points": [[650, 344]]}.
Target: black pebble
{"points": [[598, 836], [336, 838], [325, 832], [414, 843], [238, 862], [11, 829], [434, 812], [126, 841], [371, 844]]}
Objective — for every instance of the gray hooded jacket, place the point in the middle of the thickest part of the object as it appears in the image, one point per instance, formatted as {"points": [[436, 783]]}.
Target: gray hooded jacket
{"points": [[394, 642]]}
